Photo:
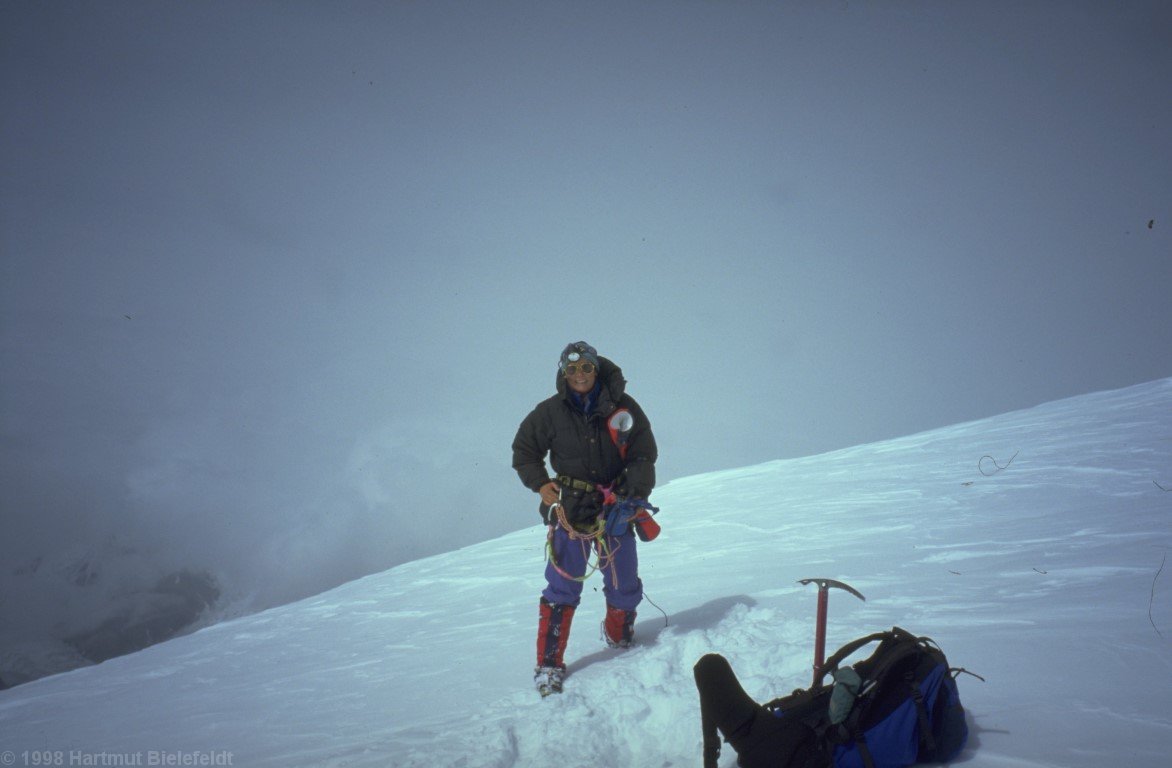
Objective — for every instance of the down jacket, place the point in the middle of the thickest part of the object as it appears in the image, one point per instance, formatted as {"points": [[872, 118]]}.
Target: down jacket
{"points": [[580, 445]]}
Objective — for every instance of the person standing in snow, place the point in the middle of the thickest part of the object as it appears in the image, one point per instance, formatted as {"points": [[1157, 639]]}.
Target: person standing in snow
{"points": [[602, 452]]}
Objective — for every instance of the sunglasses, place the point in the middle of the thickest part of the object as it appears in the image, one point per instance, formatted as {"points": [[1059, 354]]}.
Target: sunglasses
{"points": [[572, 368]]}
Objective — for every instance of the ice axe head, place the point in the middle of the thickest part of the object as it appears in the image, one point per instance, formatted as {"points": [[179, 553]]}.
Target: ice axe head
{"points": [[824, 587]]}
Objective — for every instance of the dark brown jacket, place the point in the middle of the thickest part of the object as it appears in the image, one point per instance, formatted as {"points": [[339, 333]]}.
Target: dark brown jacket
{"points": [[580, 446]]}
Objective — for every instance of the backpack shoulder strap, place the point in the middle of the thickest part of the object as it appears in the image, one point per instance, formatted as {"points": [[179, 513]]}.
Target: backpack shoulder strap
{"points": [[842, 653]]}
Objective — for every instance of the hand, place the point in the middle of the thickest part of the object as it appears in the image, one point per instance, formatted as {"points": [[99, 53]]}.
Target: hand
{"points": [[550, 493]]}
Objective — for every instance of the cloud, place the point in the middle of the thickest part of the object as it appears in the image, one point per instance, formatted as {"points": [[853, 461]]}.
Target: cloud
{"points": [[291, 344]]}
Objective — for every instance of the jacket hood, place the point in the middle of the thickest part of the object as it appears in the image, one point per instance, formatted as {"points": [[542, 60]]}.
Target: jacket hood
{"points": [[613, 384]]}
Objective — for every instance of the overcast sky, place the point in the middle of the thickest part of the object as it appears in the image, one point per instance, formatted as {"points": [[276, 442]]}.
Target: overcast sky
{"points": [[280, 280]]}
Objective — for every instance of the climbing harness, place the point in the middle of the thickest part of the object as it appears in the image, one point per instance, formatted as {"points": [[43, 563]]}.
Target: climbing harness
{"points": [[594, 537], [602, 535]]}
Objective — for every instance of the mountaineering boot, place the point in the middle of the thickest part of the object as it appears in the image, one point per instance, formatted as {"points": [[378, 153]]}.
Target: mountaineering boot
{"points": [[618, 629], [553, 632], [548, 680]]}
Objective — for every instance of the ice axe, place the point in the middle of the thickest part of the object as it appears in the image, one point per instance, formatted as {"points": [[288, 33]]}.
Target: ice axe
{"points": [[824, 587]]}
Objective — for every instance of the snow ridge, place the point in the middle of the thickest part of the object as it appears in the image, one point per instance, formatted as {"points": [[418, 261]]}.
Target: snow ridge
{"points": [[1041, 577]]}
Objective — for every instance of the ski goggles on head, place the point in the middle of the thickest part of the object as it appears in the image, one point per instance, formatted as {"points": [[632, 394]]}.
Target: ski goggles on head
{"points": [[579, 350], [572, 368]]}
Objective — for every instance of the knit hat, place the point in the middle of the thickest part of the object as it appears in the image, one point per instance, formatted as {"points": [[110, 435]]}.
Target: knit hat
{"points": [[579, 350]]}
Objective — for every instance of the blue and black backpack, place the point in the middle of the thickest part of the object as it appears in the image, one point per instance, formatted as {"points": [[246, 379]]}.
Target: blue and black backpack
{"points": [[898, 707]]}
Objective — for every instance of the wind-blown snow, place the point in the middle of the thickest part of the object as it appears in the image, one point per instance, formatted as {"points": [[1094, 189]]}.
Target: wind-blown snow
{"points": [[1043, 577]]}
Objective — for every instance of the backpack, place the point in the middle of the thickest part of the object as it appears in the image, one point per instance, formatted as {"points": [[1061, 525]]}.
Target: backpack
{"points": [[898, 707]]}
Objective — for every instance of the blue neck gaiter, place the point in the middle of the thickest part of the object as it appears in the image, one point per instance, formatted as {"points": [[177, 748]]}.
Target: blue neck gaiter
{"points": [[585, 403]]}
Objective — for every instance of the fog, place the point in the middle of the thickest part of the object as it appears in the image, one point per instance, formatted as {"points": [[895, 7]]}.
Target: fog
{"points": [[280, 280]]}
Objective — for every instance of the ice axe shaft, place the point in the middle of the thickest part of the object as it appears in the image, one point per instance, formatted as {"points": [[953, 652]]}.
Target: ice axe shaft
{"points": [[824, 587]]}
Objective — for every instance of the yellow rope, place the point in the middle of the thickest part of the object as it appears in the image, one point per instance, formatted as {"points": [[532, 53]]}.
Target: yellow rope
{"points": [[597, 534]]}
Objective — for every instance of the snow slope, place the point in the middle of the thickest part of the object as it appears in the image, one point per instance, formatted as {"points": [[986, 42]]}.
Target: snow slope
{"points": [[1043, 577]]}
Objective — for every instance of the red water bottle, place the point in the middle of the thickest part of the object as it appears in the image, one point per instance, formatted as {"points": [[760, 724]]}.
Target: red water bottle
{"points": [[645, 526]]}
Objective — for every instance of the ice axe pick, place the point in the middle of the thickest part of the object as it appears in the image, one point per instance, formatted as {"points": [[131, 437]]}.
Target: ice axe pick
{"points": [[824, 587]]}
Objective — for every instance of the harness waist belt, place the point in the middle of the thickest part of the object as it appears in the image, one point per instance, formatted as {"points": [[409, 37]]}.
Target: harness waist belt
{"points": [[578, 485]]}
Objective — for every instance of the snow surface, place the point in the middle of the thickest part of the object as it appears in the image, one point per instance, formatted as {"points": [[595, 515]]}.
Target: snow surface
{"points": [[1043, 577]]}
